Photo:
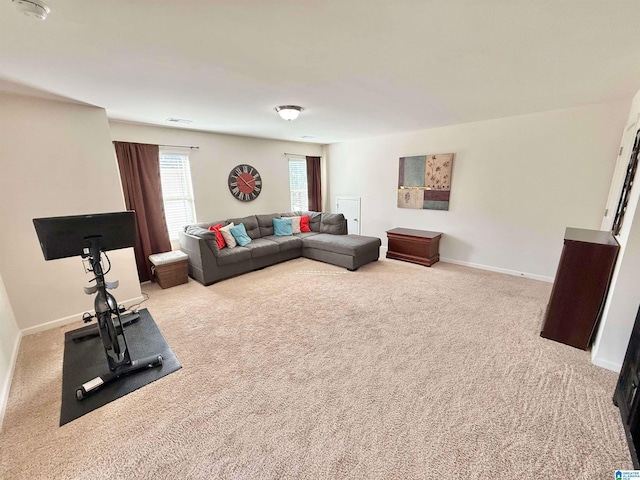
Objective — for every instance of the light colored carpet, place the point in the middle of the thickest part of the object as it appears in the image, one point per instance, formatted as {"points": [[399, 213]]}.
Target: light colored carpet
{"points": [[307, 371]]}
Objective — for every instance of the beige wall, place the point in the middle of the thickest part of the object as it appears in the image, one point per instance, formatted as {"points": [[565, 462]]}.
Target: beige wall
{"points": [[212, 162], [517, 183], [624, 292], [56, 159], [9, 341]]}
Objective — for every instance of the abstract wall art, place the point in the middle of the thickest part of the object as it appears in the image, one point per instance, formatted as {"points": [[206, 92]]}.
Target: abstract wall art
{"points": [[424, 181]]}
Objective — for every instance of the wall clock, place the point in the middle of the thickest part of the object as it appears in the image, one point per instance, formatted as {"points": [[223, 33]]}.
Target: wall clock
{"points": [[245, 183]]}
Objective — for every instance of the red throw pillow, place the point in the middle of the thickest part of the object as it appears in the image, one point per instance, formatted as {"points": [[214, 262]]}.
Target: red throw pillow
{"points": [[304, 224], [219, 237]]}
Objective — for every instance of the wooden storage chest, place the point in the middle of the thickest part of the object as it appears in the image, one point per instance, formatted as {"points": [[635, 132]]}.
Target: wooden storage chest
{"points": [[170, 268]]}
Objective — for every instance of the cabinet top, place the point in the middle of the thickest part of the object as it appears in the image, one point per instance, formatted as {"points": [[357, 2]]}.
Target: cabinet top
{"points": [[410, 232], [589, 236]]}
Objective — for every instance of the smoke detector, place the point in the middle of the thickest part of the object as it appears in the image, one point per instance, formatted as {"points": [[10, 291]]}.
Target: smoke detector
{"points": [[32, 8]]}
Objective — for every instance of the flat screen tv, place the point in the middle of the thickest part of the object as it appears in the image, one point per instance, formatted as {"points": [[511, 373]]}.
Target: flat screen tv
{"points": [[62, 237]]}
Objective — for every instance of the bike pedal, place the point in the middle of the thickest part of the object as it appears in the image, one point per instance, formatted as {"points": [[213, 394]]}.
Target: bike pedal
{"points": [[87, 317]]}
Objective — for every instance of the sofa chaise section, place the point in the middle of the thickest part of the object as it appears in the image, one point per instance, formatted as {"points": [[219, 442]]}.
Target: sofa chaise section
{"points": [[348, 251]]}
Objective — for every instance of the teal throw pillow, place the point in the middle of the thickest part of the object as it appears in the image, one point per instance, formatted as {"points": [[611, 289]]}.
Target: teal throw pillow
{"points": [[282, 227], [240, 234]]}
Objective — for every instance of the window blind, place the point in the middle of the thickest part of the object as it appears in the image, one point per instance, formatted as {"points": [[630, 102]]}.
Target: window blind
{"points": [[177, 192], [298, 184]]}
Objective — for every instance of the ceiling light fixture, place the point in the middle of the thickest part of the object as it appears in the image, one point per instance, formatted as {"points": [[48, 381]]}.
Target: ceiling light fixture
{"points": [[289, 112], [32, 8]]}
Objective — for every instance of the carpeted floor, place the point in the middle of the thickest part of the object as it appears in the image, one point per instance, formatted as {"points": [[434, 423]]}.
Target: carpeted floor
{"points": [[307, 371]]}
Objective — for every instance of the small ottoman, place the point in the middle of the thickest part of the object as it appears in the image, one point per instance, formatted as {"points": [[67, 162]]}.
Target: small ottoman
{"points": [[170, 268]]}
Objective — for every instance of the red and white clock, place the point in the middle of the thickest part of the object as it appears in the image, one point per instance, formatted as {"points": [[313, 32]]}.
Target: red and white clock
{"points": [[245, 183]]}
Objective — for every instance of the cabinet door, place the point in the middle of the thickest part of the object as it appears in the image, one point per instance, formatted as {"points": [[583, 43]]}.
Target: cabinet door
{"points": [[626, 396], [628, 385]]}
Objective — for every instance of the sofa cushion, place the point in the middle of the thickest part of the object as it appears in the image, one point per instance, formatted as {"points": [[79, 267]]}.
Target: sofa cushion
{"points": [[206, 225], [227, 256], [250, 225], [265, 222], [282, 227], [240, 234], [332, 223], [262, 247], [314, 220], [353, 245], [208, 236], [286, 243], [303, 235], [228, 236]]}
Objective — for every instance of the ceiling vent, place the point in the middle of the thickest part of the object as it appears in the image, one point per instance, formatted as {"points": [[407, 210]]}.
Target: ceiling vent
{"points": [[32, 8], [179, 120]]}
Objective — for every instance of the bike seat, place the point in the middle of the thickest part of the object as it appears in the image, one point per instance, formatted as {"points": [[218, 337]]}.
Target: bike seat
{"points": [[90, 290], [112, 285]]}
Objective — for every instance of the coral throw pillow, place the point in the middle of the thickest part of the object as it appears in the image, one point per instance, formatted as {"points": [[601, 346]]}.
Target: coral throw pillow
{"points": [[219, 237], [304, 224]]}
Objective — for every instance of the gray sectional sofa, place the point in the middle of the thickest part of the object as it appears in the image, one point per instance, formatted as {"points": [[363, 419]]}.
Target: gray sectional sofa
{"points": [[327, 241]]}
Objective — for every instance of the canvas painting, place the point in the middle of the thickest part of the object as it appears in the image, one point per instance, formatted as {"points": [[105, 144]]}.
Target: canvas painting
{"points": [[424, 181]]}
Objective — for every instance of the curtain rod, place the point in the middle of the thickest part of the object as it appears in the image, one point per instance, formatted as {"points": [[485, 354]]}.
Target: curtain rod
{"points": [[181, 146], [300, 155]]}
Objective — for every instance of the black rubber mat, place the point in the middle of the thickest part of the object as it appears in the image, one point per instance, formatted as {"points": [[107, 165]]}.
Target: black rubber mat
{"points": [[85, 360]]}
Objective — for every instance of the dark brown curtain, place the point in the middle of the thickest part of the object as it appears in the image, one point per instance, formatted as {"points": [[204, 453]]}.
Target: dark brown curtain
{"points": [[140, 173], [314, 188]]}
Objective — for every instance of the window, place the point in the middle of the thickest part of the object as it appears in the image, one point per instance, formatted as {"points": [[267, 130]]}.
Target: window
{"points": [[177, 192], [298, 184]]}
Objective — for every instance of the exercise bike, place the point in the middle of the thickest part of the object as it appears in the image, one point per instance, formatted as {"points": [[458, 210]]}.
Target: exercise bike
{"points": [[90, 236], [110, 327]]}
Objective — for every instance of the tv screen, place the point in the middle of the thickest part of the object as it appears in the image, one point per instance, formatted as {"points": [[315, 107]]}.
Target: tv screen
{"points": [[62, 237]]}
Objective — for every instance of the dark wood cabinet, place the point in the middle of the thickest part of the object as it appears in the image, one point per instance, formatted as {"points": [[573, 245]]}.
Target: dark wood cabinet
{"points": [[626, 397], [580, 287], [417, 246]]}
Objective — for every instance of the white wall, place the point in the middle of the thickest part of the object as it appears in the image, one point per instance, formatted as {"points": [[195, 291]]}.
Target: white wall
{"points": [[517, 183], [9, 342], [624, 292], [212, 162], [56, 159]]}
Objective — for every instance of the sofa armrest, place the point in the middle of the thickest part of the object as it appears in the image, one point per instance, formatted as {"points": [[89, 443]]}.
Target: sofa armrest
{"points": [[202, 262]]}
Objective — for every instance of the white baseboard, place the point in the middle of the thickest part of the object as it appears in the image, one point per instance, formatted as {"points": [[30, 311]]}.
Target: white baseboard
{"points": [[614, 367], [515, 273], [70, 319], [6, 387], [533, 276]]}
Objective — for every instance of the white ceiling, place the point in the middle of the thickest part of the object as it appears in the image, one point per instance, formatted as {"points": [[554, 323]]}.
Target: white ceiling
{"points": [[360, 68]]}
